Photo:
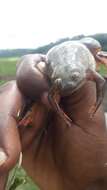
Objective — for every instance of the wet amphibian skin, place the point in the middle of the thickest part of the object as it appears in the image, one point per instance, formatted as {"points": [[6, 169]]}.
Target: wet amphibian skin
{"points": [[73, 64], [69, 61]]}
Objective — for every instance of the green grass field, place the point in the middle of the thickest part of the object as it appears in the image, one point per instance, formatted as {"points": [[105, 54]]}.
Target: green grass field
{"points": [[8, 66], [7, 71]]}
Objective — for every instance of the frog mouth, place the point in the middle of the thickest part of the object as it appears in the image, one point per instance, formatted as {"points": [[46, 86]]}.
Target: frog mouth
{"points": [[80, 84], [68, 90]]}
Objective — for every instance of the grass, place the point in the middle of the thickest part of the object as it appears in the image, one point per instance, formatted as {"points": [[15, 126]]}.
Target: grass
{"points": [[103, 70], [22, 181], [2, 82], [8, 66]]}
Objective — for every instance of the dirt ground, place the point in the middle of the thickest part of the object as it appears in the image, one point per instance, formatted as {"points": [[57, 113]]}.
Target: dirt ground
{"points": [[7, 78]]}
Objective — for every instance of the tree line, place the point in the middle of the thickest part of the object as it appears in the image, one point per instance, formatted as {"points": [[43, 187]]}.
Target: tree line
{"points": [[102, 38]]}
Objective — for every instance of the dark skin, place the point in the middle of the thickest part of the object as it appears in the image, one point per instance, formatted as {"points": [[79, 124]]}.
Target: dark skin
{"points": [[32, 65], [67, 155], [12, 102], [59, 157], [41, 151]]}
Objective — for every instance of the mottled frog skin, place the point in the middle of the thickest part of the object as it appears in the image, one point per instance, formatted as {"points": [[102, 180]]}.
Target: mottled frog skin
{"points": [[69, 61]]}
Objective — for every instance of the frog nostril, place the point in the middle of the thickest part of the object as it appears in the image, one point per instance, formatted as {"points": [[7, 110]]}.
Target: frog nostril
{"points": [[75, 76]]}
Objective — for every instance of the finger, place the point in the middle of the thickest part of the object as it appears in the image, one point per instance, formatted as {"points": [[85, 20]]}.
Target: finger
{"points": [[10, 146]]}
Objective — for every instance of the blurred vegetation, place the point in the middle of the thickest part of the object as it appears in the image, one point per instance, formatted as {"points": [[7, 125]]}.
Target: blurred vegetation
{"points": [[8, 66], [21, 181], [2, 82], [8, 61], [103, 70]]}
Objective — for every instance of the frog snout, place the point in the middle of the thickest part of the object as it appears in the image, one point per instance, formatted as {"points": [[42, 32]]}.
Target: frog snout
{"points": [[75, 76], [73, 80]]}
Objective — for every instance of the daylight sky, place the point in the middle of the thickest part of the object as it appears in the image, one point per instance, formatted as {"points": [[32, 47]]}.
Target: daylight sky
{"points": [[32, 23]]}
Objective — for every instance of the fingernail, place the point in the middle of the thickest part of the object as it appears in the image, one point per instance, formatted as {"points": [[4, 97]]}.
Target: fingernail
{"points": [[3, 157]]}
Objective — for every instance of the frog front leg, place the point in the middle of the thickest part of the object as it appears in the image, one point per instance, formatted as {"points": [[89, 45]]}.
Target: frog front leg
{"points": [[54, 98]]}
